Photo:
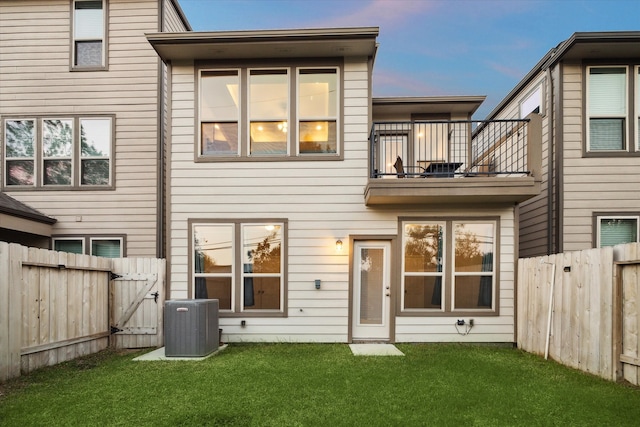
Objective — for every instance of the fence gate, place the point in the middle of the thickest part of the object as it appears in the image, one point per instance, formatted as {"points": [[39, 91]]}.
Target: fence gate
{"points": [[629, 322], [137, 301]]}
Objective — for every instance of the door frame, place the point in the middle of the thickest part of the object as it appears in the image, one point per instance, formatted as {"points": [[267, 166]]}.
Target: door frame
{"points": [[393, 284]]}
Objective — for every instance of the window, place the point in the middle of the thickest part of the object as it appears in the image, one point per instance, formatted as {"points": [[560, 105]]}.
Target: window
{"points": [[19, 149], [607, 109], [219, 112], [58, 153], [532, 103], [105, 246], [241, 264], [448, 266], [616, 230], [88, 34], [291, 112], [317, 110]]}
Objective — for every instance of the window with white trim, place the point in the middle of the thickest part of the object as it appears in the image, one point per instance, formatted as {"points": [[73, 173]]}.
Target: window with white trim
{"points": [[607, 109], [241, 264], [617, 230], [532, 103], [58, 153], [88, 34], [448, 266], [291, 112]]}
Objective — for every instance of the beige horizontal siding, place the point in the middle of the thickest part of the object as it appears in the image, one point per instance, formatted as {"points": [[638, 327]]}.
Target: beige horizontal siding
{"points": [[36, 81], [602, 184]]}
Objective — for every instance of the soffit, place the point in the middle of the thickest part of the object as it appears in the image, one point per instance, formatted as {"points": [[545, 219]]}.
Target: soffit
{"points": [[427, 105], [317, 43]]}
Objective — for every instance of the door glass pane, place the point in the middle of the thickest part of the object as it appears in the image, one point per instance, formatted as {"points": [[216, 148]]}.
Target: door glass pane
{"points": [[371, 284]]}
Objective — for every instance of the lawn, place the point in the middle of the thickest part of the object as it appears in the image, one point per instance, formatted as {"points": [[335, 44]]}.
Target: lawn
{"points": [[319, 385]]}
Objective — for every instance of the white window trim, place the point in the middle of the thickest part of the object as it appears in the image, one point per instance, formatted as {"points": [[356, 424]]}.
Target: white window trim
{"points": [[93, 239], [537, 91], [626, 148], [80, 239], [600, 218]]}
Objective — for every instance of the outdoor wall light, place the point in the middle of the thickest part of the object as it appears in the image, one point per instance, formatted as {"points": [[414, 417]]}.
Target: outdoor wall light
{"points": [[338, 245]]}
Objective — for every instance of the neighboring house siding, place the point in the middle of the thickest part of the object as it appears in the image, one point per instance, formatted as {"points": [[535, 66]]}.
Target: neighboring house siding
{"points": [[172, 21], [35, 81], [322, 201], [533, 220], [591, 184]]}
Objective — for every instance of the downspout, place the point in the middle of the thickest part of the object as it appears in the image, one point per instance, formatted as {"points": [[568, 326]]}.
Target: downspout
{"points": [[559, 175], [550, 131]]}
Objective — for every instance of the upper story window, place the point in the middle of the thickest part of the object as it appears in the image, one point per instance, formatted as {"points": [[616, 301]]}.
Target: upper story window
{"points": [[532, 103], [607, 109], [88, 34], [58, 153], [261, 113]]}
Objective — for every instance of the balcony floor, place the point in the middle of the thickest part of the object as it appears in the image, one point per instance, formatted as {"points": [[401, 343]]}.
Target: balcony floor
{"points": [[448, 191]]}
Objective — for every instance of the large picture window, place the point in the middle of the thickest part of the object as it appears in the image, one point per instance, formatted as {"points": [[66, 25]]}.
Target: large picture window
{"points": [[448, 266], [241, 264], [88, 34], [289, 112], [58, 153]]}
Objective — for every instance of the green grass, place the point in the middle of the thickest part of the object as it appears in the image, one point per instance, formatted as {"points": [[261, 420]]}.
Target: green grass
{"points": [[319, 385]]}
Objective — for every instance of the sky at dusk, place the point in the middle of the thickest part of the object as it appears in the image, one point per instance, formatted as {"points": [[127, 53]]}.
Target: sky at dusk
{"points": [[434, 47]]}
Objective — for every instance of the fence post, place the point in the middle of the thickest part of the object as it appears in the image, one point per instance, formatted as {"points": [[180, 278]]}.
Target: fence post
{"points": [[10, 310]]}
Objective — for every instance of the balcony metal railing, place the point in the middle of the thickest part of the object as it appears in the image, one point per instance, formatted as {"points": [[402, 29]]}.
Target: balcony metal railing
{"points": [[420, 149]]}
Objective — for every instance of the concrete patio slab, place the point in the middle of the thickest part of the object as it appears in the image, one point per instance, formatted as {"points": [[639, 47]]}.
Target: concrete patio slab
{"points": [[375, 349], [158, 354]]}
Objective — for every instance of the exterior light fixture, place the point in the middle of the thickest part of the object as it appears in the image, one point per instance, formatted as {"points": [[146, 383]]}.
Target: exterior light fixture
{"points": [[338, 245]]}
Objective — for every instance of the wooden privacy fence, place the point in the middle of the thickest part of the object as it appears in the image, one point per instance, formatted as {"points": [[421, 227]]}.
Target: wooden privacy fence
{"points": [[56, 306], [581, 309]]}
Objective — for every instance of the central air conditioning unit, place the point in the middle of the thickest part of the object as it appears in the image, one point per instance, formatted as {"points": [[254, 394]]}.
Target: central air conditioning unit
{"points": [[191, 327]]}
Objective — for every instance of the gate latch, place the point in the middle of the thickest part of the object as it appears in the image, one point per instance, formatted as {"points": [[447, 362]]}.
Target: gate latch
{"points": [[155, 296]]}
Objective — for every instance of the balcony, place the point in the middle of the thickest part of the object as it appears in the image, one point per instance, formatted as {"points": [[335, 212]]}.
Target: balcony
{"points": [[454, 162]]}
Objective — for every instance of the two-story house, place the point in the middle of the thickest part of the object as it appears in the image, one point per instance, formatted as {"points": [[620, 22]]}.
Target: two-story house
{"points": [[315, 212], [587, 94], [81, 124]]}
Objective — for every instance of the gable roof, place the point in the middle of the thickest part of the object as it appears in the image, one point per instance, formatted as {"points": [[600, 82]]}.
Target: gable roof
{"points": [[255, 44], [13, 207], [613, 45]]}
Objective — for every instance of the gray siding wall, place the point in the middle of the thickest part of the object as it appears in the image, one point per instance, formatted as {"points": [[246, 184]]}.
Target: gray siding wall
{"points": [[35, 80]]}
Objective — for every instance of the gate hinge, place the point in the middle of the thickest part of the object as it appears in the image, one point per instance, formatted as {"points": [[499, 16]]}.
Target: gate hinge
{"points": [[115, 329], [114, 276]]}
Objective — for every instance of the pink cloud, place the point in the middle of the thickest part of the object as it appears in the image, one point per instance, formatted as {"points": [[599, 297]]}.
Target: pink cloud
{"points": [[388, 13]]}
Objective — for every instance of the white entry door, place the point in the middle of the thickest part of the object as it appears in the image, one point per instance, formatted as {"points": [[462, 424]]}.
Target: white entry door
{"points": [[371, 290]]}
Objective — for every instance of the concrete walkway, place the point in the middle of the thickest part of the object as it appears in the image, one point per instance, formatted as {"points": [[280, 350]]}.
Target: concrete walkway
{"points": [[375, 349]]}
